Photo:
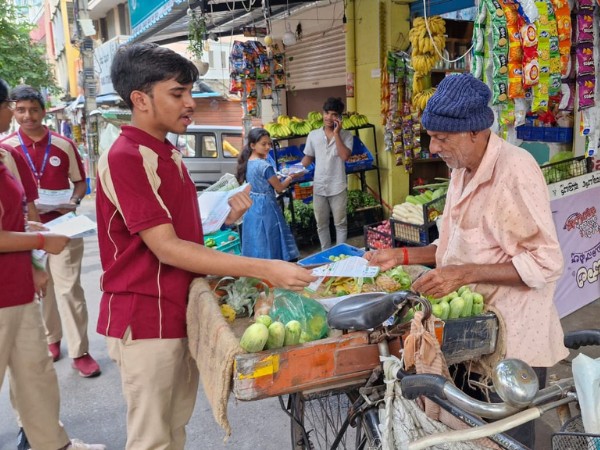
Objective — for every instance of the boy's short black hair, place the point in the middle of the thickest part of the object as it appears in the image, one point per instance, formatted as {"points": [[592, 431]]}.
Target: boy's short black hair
{"points": [[25, 92], [4, 90], [334, 104], [138, 67]]}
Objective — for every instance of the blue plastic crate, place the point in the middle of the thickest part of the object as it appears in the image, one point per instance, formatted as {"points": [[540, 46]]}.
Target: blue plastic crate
{"points": [[295, 154], [545, 134], [358, 148], [323, 256]]}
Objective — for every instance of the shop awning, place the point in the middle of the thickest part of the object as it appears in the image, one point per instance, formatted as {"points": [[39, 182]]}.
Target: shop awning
{"points": [[166, 21], [437, 7]]}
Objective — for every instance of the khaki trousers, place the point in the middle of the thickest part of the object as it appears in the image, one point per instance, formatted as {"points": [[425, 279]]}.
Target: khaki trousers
{"points": [[64, 304], [159, 379], [34, 386]]}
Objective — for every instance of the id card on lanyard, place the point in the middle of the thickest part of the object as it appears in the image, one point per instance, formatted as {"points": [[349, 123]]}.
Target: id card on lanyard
{"points": [[36, 174]]}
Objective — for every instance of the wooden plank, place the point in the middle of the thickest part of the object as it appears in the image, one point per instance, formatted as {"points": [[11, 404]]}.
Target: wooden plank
{"points": [[296, 368]]}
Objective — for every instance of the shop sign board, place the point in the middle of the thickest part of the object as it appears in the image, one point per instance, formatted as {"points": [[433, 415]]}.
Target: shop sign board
{"points": [[575, 210], [146, 13], [103, 57]]}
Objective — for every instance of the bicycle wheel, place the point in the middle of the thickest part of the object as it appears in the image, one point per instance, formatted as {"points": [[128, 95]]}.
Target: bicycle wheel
{"points": [[321, 421]]}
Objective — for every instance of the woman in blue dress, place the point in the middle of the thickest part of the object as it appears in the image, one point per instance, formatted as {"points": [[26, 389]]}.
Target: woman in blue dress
{"points": [[265, 234]]}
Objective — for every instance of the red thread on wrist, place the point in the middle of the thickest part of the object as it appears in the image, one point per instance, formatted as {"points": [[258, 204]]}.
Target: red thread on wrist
{"points": [[405, 256], [41, 241]]}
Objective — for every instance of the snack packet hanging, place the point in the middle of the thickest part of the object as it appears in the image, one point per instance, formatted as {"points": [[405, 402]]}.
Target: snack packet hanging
{"points": [[586, 88], [584, 31], [528, 10], [529, 44], [563, 26], [515, 52], [585, 59]]}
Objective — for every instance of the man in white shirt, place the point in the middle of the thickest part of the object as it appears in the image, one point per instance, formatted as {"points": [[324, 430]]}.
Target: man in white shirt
{"points": [[329, 148]]}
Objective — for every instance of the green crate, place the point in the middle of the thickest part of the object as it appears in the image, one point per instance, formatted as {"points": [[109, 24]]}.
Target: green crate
{"points": [[227, 241]]}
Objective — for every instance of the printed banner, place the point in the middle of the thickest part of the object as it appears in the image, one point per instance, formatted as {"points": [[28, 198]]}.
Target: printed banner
{"points": [[576, 218]]}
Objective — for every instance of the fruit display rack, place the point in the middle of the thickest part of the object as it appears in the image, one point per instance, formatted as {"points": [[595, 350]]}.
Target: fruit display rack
{"points": [[360, 169]]}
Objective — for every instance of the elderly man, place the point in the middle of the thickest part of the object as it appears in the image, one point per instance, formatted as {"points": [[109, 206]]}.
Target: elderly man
{"points": [[497, 233]]}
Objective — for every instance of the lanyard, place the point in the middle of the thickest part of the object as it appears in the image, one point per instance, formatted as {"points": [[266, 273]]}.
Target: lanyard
{"points": [[38, 175]]}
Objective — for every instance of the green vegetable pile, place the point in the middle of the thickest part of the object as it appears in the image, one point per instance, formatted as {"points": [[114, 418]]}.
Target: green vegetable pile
{"points": [[358, 199], [461, 303]]}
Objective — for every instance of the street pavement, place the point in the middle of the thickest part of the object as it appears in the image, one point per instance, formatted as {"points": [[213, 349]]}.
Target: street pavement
{"points": [[93, 409]]}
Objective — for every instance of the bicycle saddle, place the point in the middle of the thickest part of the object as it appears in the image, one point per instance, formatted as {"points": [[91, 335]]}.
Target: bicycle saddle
{"points": [[369, 310]]}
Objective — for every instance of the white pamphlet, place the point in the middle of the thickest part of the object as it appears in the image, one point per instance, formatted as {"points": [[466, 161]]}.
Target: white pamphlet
{"points": [[214, 208], [353, 266], [52, 200], [72, 225]]}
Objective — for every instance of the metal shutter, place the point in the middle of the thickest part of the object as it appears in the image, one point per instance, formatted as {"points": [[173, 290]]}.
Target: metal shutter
{"points": [[318, 60]]}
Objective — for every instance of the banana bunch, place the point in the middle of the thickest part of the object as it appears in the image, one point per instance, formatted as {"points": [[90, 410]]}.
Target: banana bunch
{"points": [[278, 130], [284, 120], [347, 123], [300, 128], [424, 56], [420, 99], [316, 123], [314, 116], [359, 119], [424, 63]]}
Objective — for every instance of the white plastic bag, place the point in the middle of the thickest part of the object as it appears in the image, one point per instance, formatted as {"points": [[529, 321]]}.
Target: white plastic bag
{"points": [[586, 373]]}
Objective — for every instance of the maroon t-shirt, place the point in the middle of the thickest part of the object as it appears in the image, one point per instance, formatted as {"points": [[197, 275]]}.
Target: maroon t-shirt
{"points": [[63, 163], [142, 183], [20, 169], [16, 276]]}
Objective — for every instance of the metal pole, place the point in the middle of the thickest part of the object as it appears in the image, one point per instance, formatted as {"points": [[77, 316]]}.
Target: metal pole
{"points": [[90, 88]]}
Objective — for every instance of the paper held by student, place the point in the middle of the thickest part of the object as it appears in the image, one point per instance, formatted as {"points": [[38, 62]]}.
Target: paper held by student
{"points": [[214, 208]]}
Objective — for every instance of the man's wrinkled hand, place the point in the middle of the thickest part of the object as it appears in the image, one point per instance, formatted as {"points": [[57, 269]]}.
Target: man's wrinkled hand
{"points": [[384, 259], [239, 203], [441, 281]]}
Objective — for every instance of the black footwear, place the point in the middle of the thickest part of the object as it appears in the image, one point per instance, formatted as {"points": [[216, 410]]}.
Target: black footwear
{"points": [[22, 442]]}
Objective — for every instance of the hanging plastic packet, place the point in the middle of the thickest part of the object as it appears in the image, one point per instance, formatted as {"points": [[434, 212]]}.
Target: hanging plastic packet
{"points": [[529, 43], [555, 64], [585, 59], [584, 31], [541, 89], [528, 10], [564, 29], [567, 100], [586, 86], [496, 24], [515, 52], [479, 31]]}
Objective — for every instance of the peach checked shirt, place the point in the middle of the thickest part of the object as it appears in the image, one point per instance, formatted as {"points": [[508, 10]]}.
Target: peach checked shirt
{"points": [[503, 214]]}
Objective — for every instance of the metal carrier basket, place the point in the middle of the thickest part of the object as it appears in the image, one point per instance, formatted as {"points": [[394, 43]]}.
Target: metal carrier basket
{"points": [[572, 436]]}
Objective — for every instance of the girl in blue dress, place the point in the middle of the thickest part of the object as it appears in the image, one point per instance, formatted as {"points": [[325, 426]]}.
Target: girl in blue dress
{"points": [[265, 234]]}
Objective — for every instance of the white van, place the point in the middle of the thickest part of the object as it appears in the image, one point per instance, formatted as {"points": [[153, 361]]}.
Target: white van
{"points": [[209, 151]]}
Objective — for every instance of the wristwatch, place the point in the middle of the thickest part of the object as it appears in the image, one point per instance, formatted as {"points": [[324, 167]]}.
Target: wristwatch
{"points": [[77, 200]]}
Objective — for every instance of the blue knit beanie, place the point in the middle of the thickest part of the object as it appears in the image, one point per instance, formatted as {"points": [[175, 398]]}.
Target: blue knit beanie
{"points": [[460, 103]]}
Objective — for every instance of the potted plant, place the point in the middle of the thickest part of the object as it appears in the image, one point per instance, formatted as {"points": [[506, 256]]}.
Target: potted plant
{"points": [[196, 37]]}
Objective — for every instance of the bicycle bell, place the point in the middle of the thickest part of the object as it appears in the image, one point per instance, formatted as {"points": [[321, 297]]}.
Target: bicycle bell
{"points": [[515, 382]]}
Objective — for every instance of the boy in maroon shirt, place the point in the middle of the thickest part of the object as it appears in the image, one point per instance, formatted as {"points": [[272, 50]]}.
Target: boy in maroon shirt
{"points": [[22, 344], [56, 164], [150, 238]]}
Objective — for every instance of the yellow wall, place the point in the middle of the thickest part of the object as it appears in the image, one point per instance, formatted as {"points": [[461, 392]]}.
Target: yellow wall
{"points": [[72, 53], [374, 27]]}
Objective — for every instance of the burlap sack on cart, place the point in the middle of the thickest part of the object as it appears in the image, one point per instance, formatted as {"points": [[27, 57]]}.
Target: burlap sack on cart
{"points": [[214, 346]]}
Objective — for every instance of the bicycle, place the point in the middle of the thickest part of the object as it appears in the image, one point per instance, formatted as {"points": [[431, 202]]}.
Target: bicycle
{"points": [[348, 416]]}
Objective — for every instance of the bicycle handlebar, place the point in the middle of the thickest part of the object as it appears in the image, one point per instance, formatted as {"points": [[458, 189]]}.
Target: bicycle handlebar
{"points": [[582, 338], [429, 385]]}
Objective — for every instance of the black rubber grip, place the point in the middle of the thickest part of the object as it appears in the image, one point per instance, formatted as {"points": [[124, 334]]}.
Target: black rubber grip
{"points": [[426, 384], [581, 338]]}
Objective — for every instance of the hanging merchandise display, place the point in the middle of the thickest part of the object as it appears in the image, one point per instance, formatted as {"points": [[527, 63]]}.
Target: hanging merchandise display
{"points": [[254, 74], [540, 60]]}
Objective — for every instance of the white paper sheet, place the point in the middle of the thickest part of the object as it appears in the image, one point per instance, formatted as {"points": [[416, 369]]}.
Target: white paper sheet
{"points": [[214, 208], [353, 266], [50, 200], [72, 225]]}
